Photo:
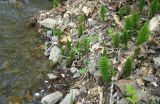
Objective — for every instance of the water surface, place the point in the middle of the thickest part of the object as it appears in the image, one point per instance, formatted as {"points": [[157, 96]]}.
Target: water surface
{"points": [[21, 58]]}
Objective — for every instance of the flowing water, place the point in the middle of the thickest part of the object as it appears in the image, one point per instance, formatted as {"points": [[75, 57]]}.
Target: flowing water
{"points": [[21, 58]]}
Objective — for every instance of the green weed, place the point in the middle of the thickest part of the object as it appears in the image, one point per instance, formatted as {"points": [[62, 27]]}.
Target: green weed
{"points": [[141, 4], [124, 11], [125, 37], [132, 22], [104, 67], [70, 57], [102, 12], [137, 51], [128, 66], [154, 7], [80, 30], [105, 52], [116, 39], [143, 34], [57, 32], [68, 45], [83, 70], [86, 45], [81, 26], [110, 31], [132, 94], [56, 3]]}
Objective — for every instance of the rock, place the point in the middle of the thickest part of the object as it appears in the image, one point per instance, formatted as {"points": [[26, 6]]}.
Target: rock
{"points": [[122, 84], [73, 70], [51, 76], [143, 95], [76, 75], [92, 22], [52, 98], [154, 23], [97, 74], [123, 101], [96, 46], [49, 23], [65, 21], [47, 52], [73, 93], [54, 40], [37, 96], [49, 33], [150, 78], [55, 54], [63, 64], [86, 10], [92, 67], [157, 62], [4, 65], [3, 100]]}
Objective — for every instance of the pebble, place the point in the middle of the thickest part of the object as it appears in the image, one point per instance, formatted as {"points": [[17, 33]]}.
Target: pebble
{"points": [[76, 75], [73, 70], [157, 62], [55, 54], [51, 76], [49, 33], [52, 98], [37, 94], [92, 67], [67, 99], [47, 52]]}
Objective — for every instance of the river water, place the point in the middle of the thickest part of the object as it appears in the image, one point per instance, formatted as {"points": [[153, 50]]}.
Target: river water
{"points": [[21, 58]]}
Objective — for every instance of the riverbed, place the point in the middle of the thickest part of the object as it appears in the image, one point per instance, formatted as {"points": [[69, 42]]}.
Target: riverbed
{"points": [[22, 63]]}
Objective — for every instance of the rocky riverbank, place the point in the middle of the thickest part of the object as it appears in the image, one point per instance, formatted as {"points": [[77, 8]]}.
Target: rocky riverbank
{"points": [[75, 76]]}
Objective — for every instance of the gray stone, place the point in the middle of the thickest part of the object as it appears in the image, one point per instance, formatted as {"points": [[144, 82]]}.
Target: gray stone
{"points": [[52, 98], [73, 93], [54, 40], [49, 23], [97, 74], [157, 61], [143, 95], [49, 33], [65, 21], [73, 70], [3, 99], [92, 67], [122, 84], [76, 75], [3, 65], [154, 23], [150, 78], [51, 76], [47, 52], [63, 64], [92, 22], [123, 101], [55, 54]]}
